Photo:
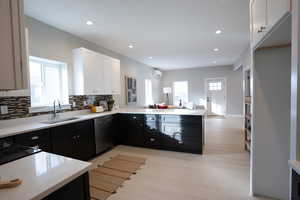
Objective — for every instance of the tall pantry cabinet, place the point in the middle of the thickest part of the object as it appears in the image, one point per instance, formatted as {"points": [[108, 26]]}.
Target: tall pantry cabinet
{"points": [[13, 56]]}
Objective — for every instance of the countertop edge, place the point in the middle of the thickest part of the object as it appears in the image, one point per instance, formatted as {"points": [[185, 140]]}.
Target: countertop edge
{"points": [[295, 165], [40, 126], [59, 185]]}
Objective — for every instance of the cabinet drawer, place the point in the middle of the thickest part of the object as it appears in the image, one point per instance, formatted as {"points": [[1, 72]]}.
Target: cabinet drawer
{"points": [[4, 142], [151, 118], [131, 117], [185, 144], [181, 119], [182, 130], [40, 139]]}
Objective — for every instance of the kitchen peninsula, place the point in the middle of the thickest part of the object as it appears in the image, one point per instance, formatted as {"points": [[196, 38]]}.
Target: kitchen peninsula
{"points": [[59, 164]]}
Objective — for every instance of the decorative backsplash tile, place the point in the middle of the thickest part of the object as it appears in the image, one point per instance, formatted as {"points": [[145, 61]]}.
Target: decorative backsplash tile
{"points": [[18, 107]]}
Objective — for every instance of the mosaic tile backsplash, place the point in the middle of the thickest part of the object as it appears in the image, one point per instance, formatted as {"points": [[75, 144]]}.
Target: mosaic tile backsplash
{"points": [[18, 107]]}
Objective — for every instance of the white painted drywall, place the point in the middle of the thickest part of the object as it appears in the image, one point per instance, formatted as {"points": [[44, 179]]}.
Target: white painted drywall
{"points": [[196, 78], [48, 42], [271, 123], [243, 60]]}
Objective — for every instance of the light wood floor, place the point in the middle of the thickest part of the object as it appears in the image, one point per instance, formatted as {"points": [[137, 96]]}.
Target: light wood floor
{"points": [[221, 173]]}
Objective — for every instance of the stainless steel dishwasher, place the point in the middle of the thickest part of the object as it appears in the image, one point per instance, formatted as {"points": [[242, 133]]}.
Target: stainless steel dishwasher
{"points": [[104, 133]]}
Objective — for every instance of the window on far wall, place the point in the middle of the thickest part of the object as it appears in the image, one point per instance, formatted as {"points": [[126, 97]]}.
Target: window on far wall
{"points": [[148, 92], [48, 82], [215, 86], [180, 89]]}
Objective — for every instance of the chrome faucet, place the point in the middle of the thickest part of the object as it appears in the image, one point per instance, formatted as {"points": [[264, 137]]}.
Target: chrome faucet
{"points": [[55, 112]]}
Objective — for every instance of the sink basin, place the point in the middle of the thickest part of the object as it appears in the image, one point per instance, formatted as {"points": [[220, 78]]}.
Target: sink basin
{"points": [[60, 120]]}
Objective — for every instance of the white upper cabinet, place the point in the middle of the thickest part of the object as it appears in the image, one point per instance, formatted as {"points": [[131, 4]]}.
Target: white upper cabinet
{"points": [[116, 77], [277, 9], [13, 57], [258, 18], [93, 73], [264, 15]]}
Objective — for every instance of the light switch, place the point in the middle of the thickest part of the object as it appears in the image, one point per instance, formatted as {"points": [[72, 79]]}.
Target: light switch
{"points": [[4, 110]]}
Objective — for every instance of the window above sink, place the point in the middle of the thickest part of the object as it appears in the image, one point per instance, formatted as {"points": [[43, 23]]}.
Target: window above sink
{"points": [[48, 82]]}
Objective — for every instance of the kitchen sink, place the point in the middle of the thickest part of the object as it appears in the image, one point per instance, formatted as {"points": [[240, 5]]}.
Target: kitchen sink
{"points": [[54, 121]]}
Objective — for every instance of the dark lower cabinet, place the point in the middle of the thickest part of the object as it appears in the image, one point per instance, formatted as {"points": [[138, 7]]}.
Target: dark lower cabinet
{"points": [[85, 140], [132, 129], [39, 139], [74, 140], [77, 189], [168, 132], [295, 186], [104, 133]]}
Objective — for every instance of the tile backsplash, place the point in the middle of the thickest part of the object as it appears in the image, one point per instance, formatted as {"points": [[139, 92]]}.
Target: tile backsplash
{"points": [[18, 106]]}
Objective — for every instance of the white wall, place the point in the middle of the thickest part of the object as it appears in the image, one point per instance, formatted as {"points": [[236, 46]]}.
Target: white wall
{"points": [[271, 123], [196, 78], [48, 42], [243, 60]]}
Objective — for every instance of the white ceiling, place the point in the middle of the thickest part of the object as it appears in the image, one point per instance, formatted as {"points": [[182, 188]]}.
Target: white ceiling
{"points": [[176, 33]]}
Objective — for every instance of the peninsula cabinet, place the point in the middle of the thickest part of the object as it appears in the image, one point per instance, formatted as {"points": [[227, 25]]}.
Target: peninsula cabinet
{"points": [[77, 189], [166, 132], [13, 57]]}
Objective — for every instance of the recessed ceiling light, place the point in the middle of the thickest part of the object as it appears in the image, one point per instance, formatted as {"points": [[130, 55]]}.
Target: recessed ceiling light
{"points": [[218, 32], [130, 46], [216, 49], [150, 57], [89, 23], [215, 62]]}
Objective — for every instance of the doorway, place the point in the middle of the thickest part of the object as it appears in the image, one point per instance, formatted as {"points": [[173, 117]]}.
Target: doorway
{"points": [[216, 96]]}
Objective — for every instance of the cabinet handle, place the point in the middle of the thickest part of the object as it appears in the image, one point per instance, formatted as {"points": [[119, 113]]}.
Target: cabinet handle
{"points": [[34, 138], [36, 147], [152, 139], [133, 117]]}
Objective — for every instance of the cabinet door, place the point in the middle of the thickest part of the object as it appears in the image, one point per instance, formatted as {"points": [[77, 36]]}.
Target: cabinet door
{"points": [[276, 10], [181, 137], [84, 142], [77, 189], [116, 77], [132, 129], [259, 19], [108, 74], [13, 61], [39, 139], [152, 134], [93, 73], [64, 140]]}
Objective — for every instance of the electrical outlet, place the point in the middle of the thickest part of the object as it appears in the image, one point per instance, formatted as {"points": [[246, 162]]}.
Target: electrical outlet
{"points": [[4, 110]]}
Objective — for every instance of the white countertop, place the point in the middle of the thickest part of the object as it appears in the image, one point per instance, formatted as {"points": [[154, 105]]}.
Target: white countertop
{"points": [[295, 165], [19, 126], [42, 174]]}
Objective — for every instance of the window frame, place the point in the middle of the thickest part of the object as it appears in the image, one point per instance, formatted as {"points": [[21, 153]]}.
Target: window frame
{"points": [[187, 93], [64, 89]]}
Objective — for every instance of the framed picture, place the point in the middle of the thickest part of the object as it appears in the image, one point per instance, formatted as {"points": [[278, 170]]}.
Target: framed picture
{"points": [[131, 90]]}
